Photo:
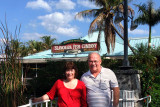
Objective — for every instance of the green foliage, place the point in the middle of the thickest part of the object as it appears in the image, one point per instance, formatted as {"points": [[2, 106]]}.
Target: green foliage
{"points": [[113, 64], [142, 56], [34, 46], [47, 42], [150, 76], [11, 89], [155, 93], [156, 53], [150, 83]]}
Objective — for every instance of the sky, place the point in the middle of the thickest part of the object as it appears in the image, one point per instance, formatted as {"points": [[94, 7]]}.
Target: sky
{"points": [[56, 18]]}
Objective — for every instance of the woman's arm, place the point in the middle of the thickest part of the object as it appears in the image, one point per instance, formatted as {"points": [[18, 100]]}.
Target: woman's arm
{"points": [[42, 98], [49, 95]]}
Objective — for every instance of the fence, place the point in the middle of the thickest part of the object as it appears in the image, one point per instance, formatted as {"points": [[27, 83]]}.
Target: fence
{"points": [[127, 99]]}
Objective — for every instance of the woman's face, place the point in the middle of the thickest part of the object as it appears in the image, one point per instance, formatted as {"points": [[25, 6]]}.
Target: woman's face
{"points": [[70, 74]]}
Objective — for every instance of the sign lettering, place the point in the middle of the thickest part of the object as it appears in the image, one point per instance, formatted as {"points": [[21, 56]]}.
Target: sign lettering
{"points": [[92, 46]]}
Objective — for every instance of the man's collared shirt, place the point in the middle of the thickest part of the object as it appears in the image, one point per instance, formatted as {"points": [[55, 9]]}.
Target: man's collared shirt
{"points": [[99, 88]]}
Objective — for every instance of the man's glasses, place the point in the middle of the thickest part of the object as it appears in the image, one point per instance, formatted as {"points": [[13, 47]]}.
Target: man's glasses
{"points": [[93, 61]]}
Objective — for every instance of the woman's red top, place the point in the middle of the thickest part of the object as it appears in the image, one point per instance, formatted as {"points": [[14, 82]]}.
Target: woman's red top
{"points": [[68, 97]]}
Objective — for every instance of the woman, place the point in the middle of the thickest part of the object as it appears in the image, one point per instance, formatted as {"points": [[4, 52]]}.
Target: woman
{"points": [[71, 92]]}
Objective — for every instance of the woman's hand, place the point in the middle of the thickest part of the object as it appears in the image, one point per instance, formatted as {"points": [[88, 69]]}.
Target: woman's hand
{"points": [[34, 100], [44, 97]]}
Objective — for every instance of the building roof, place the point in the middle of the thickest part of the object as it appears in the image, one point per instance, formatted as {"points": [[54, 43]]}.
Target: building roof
{"points": [[118, 51]]}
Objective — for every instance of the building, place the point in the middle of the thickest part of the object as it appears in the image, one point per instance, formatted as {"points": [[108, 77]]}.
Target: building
{"points": [[37, 60]]}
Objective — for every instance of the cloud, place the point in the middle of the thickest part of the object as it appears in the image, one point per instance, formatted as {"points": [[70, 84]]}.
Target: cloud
{"points": [[140, 32], [33, 24], [70, 31], [87, 3], [38, 4], [65, 5], [35, 36], [59, 23], [32, 36]]}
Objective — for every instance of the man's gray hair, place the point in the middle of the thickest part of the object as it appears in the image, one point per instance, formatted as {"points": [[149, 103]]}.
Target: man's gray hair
{"points": [[93, 53]]}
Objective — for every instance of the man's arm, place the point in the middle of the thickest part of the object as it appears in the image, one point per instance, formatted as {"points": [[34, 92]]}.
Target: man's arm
{"points": [[115, 96]]}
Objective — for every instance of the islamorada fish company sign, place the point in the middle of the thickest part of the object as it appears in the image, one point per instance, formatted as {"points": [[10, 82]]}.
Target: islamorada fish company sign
{"points": [[72, 47]]}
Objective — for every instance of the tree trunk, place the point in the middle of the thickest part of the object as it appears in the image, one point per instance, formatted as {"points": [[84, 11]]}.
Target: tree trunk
{"points": [[149, 40], [123, 39]]}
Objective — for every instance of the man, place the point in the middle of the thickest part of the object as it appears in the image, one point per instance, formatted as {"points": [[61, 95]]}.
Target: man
{"points": [[99, 82]]}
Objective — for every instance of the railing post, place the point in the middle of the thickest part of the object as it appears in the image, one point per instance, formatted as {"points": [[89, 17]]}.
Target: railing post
{"points": [[30, 102], [47, 104], [124, 98], [51, 103]]}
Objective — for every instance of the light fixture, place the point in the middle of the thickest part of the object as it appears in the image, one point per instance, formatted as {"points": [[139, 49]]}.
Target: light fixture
{"points": [[133, 25], [118, 18]]}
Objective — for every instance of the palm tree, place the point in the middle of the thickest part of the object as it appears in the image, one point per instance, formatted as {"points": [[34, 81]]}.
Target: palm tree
{"points": [[47, 41], [34, 46], [24, 50], [15, 47], [148, 15], [104, 20]]}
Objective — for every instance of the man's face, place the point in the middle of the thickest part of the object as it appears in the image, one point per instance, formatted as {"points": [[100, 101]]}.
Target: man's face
{"points": [[94, 63]]}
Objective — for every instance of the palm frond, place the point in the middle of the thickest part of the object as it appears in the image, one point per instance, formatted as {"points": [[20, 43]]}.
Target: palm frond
{"points": [[142, 20], [155, 19], [96, 23], [86, 13]]}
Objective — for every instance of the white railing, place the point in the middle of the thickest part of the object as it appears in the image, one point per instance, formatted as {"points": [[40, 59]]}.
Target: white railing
{"points": [[127, 99], [148, 99], [46, 103]]}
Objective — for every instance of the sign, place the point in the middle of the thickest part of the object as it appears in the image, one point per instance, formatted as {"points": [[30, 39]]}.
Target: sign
{"points": [[75, 47]]}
